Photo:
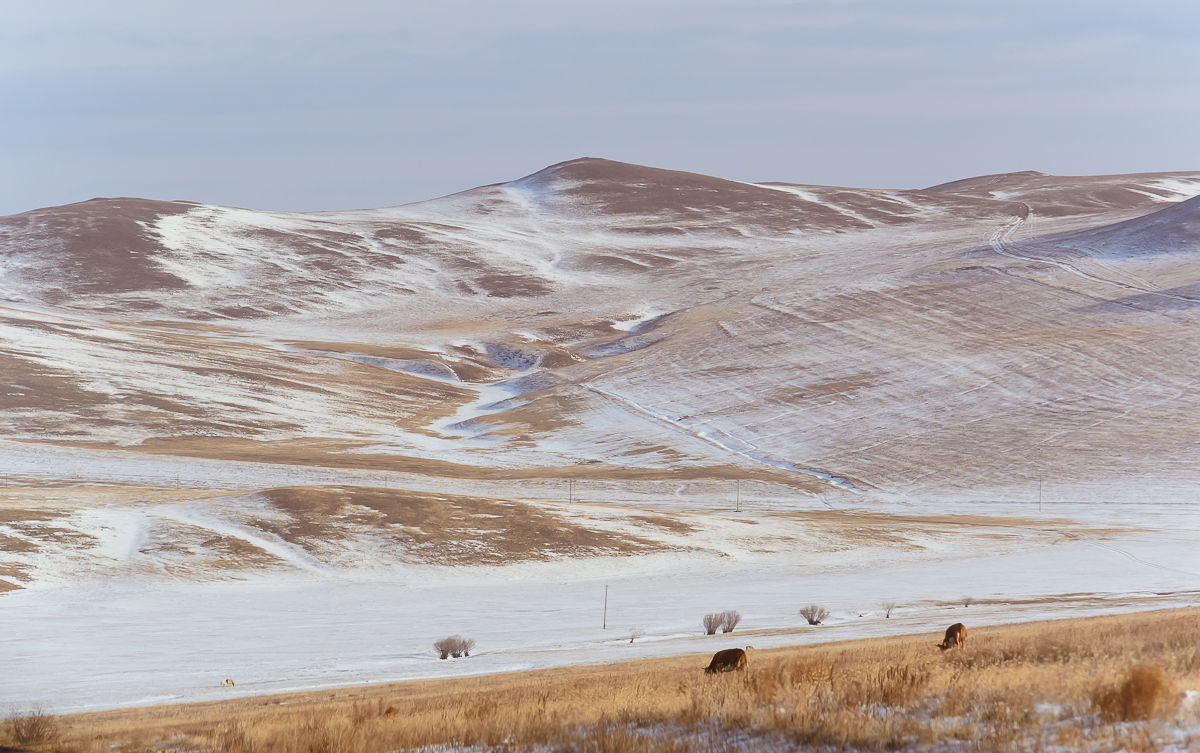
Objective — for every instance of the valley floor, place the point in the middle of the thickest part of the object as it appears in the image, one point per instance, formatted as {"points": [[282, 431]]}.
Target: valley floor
{"points": [[116, 610], [1126, 682]]}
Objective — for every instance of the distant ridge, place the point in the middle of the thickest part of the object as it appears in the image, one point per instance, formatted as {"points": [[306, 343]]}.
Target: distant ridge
{"points": [[988, 181], [1056, 195], [1171, 231]]}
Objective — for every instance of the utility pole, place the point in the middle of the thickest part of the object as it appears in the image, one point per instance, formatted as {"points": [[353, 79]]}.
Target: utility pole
{"points": [[738, 502], [571, 500], [1039, 495], [606, 606]]}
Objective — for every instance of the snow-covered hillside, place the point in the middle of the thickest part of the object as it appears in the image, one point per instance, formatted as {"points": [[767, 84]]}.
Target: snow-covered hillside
{"points": [[608, 313], [194, 396]]}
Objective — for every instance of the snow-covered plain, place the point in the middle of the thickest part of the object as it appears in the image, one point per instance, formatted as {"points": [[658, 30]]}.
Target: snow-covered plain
{"points": [[296, 449], [126, 609]]}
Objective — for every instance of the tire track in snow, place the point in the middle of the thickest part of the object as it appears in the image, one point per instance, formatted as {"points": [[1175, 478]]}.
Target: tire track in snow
{"points": [[1001, 242], [1129, 556], [720, 438]]}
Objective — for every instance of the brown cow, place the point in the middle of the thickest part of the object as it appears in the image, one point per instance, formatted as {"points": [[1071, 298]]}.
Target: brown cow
{"points": [[227, 683], [956, 635], [728, 660]]}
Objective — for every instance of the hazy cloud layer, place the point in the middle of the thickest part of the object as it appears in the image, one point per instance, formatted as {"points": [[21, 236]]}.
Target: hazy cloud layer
{"points": [[304, 105]]}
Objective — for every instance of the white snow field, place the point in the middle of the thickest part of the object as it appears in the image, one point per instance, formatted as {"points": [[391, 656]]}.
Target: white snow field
{"points": [[295, 449]]}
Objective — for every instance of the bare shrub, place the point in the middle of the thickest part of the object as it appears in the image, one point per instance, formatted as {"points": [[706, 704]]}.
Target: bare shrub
{"points": [[888, 608], [35, 727], [967, 601], [730, 620], [1143, 695], [814, 614], [635, 633], [712, 622], [455, 646]]}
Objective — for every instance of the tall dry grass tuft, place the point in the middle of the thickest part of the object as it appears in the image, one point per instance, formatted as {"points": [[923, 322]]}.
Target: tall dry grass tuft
{"points": [[1144, 694], [233, 738], [34, 727]]}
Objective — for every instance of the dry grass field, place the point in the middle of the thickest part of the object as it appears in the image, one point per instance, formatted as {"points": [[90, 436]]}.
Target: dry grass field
{"points": [[1106, 683]]}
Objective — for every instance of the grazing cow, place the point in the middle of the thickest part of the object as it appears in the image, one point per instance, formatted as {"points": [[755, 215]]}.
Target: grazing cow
{"points": [[956, 635], [727, 660], [228, 683]]}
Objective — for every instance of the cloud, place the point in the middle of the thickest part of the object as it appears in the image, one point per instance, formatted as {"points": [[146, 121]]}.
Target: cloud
{"points": [[326, 101]]}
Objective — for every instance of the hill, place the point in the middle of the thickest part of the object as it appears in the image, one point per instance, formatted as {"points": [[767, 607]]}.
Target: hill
{"points": [[601, 395]]}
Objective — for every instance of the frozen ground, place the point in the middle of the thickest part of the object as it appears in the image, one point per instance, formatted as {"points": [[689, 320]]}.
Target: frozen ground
{"points": [[296, 449], [110, 617]]}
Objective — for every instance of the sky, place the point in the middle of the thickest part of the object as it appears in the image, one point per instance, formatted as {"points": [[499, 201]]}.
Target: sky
{"points": [[304, 105]]}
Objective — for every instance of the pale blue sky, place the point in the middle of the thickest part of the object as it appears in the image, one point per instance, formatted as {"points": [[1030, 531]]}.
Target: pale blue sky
{"points": [[362, 103]]}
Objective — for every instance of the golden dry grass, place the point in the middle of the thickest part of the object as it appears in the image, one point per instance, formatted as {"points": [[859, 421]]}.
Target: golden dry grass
{"points": [[1018, 687]]}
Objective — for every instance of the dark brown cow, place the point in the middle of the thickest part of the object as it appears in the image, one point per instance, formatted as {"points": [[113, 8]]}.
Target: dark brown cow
{"points": [[727, 660], [956, 635]]}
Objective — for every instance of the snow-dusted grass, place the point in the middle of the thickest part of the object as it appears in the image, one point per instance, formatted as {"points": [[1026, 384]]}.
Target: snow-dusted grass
{"points": [[1032, 686], [139, 596]]}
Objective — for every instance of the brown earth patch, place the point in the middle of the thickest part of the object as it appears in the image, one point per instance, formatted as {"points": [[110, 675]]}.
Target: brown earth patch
{"points": [[187, 551], [99, 246], [857, 518], [500, 285], [339, 453], [675, 526], [33, 524], [27, 384], [53, 534], [240, 548], [21, 515], [14, 544], [158, 325], [443, 529], [466, 369], [545, 414], [397, 352], [826, 387]]}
